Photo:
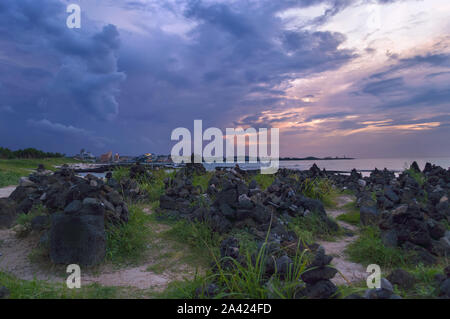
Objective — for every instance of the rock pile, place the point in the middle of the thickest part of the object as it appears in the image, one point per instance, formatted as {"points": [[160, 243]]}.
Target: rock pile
{"points": [[78, 210], [230, 202]]}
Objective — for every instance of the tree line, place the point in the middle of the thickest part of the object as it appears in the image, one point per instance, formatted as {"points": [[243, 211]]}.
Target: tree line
{"points": [[6, 153]]}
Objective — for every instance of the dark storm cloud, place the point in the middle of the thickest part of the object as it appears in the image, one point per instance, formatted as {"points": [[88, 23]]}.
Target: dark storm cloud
{"points": [[79, 69], [233, 51], [105, 87]]}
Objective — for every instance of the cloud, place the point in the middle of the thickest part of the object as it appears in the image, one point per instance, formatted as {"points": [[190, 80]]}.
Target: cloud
{"points": [[77, 69], [48, 126], [163, 64], [384, 86]]}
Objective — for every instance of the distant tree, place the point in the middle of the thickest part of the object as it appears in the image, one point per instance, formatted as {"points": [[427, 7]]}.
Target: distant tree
{"points": [[27, 153]]}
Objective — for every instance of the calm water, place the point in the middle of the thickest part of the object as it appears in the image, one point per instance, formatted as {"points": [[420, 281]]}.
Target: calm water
{"points": [[395, 164], [362, 164]]}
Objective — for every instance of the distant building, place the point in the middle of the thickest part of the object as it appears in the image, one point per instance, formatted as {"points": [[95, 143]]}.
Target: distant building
{"points": [[106, 158], [85, 156], [164, 159], [145, 158], [116, 157]]}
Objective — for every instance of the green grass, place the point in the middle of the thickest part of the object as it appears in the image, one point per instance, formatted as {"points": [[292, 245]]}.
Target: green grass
{"points": [[352, 214], [153, 185], [321, 189], [11, 170], [202, 181], [418, 176], [121, 172], [9, 178], [245, 280], [127, 243], [24, 220], [37, 289], [203, 242], [264, 180], [311, 228], [369, 249]]}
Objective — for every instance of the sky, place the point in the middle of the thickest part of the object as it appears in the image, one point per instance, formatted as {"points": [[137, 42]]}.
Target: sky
{"points": [[361, 78]]}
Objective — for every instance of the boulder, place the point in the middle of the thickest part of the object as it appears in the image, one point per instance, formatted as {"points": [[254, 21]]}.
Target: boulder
{"points": [[444, 289], [8, 213], [323, 289], [4, 292], [40, 223], [369, 215], [77, 239], [402, 278]]}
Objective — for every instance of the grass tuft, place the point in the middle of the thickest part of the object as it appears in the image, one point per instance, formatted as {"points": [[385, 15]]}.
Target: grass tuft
{"points": [[127, 243], [352, 214], [369, 249]]}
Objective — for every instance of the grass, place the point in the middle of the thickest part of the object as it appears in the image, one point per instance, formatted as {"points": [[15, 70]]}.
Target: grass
{"points": [[11, 170], [24, 220], [202, 241], [418, 176], [242, 280], [202, 181], [264, 180], [369, 249], [312, 227], [127, 243], [121, 172], [9, 178], [321, 189], [38, 289], [352, 214], [153, 186]]}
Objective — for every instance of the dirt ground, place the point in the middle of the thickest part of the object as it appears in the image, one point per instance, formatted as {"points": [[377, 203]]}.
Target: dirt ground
{"points": [[6, 191], [349, 272], [15, 254]]}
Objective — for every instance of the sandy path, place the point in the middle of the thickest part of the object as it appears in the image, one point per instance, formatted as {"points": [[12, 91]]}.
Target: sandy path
{"points": [[15, 252], [6, 191], [352, 272]]}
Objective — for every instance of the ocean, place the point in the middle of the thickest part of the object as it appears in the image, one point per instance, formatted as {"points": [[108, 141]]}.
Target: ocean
{"points": [[360, 164]]}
